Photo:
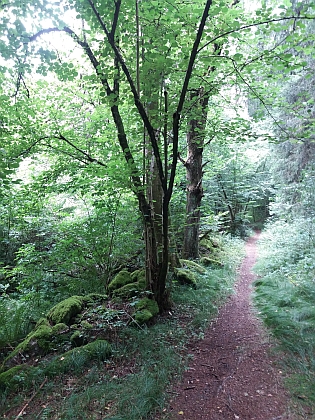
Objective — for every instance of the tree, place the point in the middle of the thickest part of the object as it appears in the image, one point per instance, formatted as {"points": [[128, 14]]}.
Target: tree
{"points": [[108, 34], [156, 259]]}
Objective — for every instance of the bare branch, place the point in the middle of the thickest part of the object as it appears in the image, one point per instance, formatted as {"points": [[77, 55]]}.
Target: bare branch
{"points": [[86, 155]]}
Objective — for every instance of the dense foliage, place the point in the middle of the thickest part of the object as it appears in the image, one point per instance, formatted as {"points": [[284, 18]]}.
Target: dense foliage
{"points": [[131, 132]]}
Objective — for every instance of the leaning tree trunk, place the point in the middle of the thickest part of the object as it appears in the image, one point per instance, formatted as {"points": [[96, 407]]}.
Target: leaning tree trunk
{"points": [[193, 164]]}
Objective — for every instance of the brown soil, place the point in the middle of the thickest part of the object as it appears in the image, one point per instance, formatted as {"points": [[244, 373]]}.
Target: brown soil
{"points": [[233, 375]]}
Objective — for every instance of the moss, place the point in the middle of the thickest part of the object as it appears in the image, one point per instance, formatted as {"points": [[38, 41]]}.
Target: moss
{"points": [[77, 358], [40, 322], [66, 310], [143, 316], [37, 340], [139, 277], [13, 378], [99, 349], [211, 242], [185, 276], [43, 332], [193, 266], [148, 304], [128, 291], [210, 261], [77, 339], [41, 340], [121, 279], [86, 325], [59, 328]]}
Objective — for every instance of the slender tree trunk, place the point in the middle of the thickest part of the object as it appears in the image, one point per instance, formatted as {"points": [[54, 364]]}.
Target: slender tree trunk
{"points": [[193, 164]]}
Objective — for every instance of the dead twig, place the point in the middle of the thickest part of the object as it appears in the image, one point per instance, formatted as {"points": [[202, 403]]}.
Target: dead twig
{"points": [[30, 400]]}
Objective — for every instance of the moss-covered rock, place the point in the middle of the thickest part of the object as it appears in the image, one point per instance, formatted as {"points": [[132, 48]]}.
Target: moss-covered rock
{"points": [[59, 328], [37, 341], [185, 276], [121, 279], [143, 316], [146, 309], [211, 261], [77, 358], [41, 340], [128, 291], [13, 378], [66, 310], [211, 243], [138, 276], [193, 266], [148, 304]]}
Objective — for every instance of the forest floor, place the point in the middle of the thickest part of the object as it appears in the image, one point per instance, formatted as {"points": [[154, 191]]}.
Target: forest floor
{"points": [[233, 373]]}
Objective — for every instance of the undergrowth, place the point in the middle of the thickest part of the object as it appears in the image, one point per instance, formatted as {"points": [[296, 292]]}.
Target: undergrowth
{"points": [[132, 383], [285, 298]]}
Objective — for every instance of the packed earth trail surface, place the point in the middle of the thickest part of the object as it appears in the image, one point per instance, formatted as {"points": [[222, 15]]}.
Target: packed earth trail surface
{"points": [[232, 374]]}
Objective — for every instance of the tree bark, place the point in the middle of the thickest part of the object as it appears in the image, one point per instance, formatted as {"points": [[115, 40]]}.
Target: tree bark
{"points": [[193, 164]]}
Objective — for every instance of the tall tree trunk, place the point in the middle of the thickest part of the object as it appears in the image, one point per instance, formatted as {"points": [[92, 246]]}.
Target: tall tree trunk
{"points": [[193, 164]]}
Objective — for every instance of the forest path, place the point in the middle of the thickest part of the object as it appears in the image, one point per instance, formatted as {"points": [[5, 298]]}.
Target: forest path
{"points": [[232, 374]]}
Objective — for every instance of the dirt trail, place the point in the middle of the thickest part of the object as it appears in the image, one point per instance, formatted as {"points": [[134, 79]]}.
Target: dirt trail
{"points": [[232, 375]]}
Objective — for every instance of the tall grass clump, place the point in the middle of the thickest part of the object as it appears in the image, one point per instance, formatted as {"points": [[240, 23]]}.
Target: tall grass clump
{"points": [[15, 321], [285, 298]]}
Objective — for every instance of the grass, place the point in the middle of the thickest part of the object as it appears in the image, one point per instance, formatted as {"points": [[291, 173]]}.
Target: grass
{"points": [[285, 298], [132, 384]]}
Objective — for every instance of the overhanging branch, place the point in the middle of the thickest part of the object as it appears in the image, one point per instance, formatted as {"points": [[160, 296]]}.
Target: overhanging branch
{"points": [[241, 28]]}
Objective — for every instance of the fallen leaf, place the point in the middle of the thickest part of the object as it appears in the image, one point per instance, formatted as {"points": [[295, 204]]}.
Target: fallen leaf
{"points": [[181, 413]]}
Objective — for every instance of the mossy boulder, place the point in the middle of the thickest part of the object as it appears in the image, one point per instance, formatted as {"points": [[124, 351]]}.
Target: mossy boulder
{"points": [[148, 304], [14, 377], [138, 276], [211, 242], [185, 276], [75, 359], [193, 266], [143, 316], [86, 325], [146, 309], [127, 285], [66, 310], [211, 262], [37, 341], [121, 279], [59, 328], [127, 291]]}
